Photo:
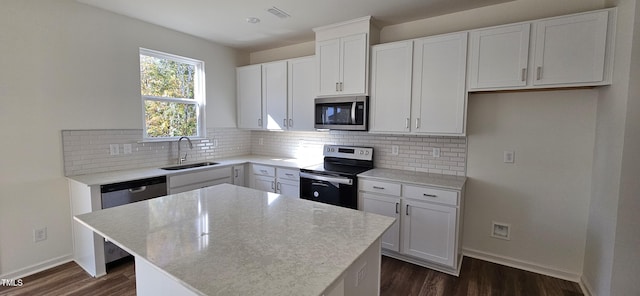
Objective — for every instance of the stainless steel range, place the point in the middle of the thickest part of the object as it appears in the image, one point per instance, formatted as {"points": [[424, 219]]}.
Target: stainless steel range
{"points": [[334, 181]]}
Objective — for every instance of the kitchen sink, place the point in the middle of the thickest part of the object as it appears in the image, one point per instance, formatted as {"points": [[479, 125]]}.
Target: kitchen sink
{"points": [[189, 166]]}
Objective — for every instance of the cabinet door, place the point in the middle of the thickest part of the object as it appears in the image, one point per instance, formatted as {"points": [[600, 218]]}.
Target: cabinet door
{"points": [[387, 206], [429, 232], [439, 92], [391, 87], [328, 66], [274, 90], [264, 183], [499, 56], [238, 175], [570, 49], [249, 96], [353, 62], [302, 78], [288, 187]]}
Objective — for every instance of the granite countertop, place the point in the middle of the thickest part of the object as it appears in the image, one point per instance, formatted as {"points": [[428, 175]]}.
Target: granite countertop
{"points": [[417, 178], [143, 173], [230, 240]]}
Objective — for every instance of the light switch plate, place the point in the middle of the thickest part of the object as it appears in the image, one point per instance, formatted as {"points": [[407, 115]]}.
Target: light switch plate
{"points": [[436, 152], [508, 156], [126, 148]]}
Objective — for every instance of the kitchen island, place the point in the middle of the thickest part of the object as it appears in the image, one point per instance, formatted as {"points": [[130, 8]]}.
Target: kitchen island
{"points": [[230, 240]]}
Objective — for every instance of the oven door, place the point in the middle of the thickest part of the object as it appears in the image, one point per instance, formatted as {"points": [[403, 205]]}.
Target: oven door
{"points": [[330, 189]]}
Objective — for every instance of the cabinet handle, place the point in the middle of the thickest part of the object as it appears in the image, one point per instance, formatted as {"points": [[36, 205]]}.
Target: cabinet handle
{"points": [[407, 211], [290, 175], [397, 207], [290, 122], [278, 186], [539, 73], [273, 185], [284, 122], [429, 195], [337, 89], [341, 86], [417, 123], [236, 172], [524, 74], [378, 187], [406, 123], [264, 171], [259, 121]]}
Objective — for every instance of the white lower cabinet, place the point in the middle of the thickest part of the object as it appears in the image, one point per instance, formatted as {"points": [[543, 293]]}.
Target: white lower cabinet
{"points": [[278, 180], [427, 231]]}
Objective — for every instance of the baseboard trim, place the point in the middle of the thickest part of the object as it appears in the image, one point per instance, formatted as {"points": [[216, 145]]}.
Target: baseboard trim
{"points": [[29, 270], [524, 265], [587, 290]]}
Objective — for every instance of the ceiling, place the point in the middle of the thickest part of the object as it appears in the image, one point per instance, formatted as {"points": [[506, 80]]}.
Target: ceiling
{"points": [[224, 21]]}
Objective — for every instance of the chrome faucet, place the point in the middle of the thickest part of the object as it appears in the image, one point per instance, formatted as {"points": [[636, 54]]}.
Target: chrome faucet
{"points": [[180, 158]]}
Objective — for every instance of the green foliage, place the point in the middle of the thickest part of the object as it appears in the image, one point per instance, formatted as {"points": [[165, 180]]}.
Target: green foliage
{"points": [[166, 78], [165, 119], [169, 79]]}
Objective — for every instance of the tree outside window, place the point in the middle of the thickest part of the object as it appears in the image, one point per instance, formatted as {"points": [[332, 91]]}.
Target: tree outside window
{"points": [[172, 90]]}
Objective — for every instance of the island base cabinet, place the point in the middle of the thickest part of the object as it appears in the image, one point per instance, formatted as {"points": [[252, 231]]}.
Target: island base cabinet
{"points": [[150, 281]]}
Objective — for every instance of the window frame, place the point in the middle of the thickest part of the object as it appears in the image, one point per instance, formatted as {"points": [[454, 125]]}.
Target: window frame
{"points": [[199, 97]]}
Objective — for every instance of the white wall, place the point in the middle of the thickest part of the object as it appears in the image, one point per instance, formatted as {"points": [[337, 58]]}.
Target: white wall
{"points": [[66, 65], [282, 53], [611, 255]]}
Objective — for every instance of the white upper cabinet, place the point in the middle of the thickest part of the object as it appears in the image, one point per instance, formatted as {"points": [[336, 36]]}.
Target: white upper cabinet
{"points": [[566, 51], [439, 84], [390, 101], [301, 82], [499, 57], [274, 90], [342, 65], [249, 96], [570, 49]]}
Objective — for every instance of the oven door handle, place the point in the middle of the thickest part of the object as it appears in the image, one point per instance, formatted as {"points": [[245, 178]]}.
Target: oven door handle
{"points": [[338, 180]]}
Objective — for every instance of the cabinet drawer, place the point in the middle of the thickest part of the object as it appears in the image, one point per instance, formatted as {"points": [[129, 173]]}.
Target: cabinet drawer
{"points": [[288, 174], [379, 187], [199, 177], [263, 170], [195, 186], [430, 194]]}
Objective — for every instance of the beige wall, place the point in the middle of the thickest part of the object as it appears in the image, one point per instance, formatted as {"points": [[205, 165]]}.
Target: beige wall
{"points": [[69, 66], [282, 53]]}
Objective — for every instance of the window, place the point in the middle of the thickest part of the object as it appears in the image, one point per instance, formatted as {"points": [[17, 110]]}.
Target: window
{"points": [[173, 99]]}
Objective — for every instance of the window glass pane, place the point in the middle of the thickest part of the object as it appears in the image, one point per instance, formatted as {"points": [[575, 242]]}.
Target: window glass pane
{"points": [[166, 78], [169, 119]]}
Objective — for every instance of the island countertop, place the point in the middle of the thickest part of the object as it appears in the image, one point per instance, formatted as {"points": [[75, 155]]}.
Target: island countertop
{"points": [[230, 240]]}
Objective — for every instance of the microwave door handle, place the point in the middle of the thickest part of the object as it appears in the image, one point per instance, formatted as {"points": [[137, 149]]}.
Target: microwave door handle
{"points": [[353, 113]]}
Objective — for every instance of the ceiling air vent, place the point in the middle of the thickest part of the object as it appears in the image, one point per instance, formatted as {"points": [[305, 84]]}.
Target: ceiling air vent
{"points": [[278, 12]]}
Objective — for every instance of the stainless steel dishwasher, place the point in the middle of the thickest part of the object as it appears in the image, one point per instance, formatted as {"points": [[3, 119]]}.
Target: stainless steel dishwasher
{"points": [[118, 194]]}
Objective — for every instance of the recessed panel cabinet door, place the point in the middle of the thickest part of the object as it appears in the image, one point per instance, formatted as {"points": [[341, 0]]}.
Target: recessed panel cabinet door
{"points": [[499, 56], [387, 206], [249, 96], [264, 183], [570, 49], [274, 90], [302, 78], [390, 101], [328, 63], [288, 187], [354, 64], [439, 84], [429, 231]]}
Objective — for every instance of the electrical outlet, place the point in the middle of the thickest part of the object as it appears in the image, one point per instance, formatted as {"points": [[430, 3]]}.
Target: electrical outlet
{"points": [[126, 148], [436, 152], [394, 150], [508, 156], [215, 143], [114, 149], [362, 273], [260, 141], [39, 234]]}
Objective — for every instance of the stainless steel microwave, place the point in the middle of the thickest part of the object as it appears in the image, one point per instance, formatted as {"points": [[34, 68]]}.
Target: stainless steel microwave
{"points": [[342, 113]]}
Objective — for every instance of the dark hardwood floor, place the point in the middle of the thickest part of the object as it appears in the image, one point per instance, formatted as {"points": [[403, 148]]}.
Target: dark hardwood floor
{"points": [[398, 278]]}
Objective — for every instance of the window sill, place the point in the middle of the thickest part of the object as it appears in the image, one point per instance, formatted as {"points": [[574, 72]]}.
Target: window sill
{"points": [[169, 140]]}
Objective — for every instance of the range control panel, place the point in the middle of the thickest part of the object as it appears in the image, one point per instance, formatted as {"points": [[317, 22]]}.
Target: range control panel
{"points": [[361, 153]]}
